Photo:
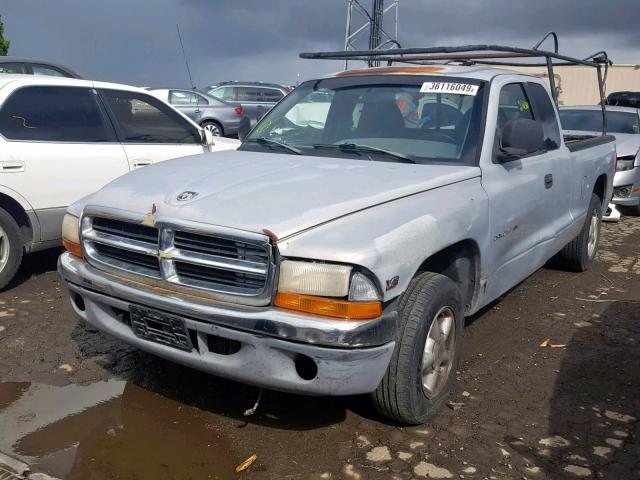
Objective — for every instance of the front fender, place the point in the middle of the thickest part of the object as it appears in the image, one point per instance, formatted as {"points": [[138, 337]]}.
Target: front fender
{"points": [[394, 239]]}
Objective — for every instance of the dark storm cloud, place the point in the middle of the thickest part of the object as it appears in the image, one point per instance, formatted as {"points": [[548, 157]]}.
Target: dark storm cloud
{"points": [[135, 41]]}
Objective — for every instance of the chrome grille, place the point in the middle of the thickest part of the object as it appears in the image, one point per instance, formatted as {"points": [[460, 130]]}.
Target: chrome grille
{"points": [[220, 261]]}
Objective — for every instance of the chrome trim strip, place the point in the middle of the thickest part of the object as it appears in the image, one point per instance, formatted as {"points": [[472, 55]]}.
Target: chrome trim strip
{"points": [[138, 246]]}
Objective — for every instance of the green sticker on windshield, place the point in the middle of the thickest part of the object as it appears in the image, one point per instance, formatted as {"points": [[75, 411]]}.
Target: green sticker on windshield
{"points": [[636, 128], [523, 105]]}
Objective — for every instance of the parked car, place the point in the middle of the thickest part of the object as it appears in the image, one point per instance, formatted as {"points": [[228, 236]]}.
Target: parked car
{"points": [[28, 66], [624, 124], [61, 139], [624, 99], [256, 98], [339, 254], [217, 116]]}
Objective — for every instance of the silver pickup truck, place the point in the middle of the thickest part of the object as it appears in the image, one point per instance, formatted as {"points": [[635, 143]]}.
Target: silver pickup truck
{"points": [[338, 251]]}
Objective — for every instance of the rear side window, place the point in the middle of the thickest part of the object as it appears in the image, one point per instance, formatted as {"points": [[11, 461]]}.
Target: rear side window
{"points": [[144, 119], [546, 114], [47, 70], [271, 95], [182, 98], [11, 67], [513, 104], [53, 114]]}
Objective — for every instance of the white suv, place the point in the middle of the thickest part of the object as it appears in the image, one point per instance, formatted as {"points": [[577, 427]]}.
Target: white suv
{"points": [[62, 139]]}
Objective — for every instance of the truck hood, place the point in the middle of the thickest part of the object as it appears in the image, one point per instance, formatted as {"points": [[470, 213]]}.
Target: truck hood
{"points": [[280, 192]]}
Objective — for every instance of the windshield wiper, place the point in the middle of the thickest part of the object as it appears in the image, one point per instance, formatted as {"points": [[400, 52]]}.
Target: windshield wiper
{"points": [[354, 147], [269, 141]]}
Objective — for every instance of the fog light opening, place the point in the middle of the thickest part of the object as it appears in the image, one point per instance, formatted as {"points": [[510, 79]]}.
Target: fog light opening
{"points": [[78, 301], [305, 367]]}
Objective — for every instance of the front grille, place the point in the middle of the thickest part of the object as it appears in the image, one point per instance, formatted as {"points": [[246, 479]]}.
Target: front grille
{"points": [[229, 262]]}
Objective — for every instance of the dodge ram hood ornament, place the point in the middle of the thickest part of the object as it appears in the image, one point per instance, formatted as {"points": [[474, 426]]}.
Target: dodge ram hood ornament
{"points": [[187, 195]]}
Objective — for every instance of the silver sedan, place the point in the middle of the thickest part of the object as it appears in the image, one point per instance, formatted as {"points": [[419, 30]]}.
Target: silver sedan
{"points": [[219, 117]]}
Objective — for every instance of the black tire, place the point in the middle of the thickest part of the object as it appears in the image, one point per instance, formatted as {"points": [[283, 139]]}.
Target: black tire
{"points": [[400, 395], [15, 246], [575, 255], [216, 128]]}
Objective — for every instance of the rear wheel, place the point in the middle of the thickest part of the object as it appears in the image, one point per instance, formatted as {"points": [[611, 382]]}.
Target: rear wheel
{"points": [[11, 248], [423, 365], [214, 127], [578, 255]]}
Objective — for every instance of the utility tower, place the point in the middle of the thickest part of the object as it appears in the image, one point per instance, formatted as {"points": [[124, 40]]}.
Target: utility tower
{"points": [[361, 21]]}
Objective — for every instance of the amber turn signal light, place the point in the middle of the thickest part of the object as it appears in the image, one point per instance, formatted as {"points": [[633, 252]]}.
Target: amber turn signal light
{"points": [[72, 248], [329, 307]]}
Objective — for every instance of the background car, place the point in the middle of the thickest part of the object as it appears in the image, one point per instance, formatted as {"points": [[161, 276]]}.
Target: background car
{"points": [[34, 67], [624, 124], [212, 114], [624, 99], [256, 98], [63, 138]]}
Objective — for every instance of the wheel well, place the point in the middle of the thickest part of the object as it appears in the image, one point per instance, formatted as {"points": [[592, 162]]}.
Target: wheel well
{"points": [[599, 188], [19, 215], [460, 263]]}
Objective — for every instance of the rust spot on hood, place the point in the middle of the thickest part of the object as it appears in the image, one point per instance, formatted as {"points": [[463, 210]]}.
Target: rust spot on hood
{"points": [[391, 71]]}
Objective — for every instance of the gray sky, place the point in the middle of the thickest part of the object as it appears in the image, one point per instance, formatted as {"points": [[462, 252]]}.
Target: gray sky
{"points": [[135, 41]]}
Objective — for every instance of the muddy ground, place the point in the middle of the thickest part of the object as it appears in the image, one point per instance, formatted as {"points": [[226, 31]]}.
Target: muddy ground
{"points": [[78, 405]]}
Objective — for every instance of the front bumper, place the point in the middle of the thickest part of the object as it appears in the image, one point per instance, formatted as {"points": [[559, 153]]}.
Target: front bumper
{"points": [[349, 357], [629, 178]]}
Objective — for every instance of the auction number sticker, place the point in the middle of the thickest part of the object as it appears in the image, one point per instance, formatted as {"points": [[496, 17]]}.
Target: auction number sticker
{"points": [[446, 87]]}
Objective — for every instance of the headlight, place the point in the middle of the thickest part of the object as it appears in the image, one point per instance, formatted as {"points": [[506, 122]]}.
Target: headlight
{"points": [[327, 289], [71, 234], [625, 163]]}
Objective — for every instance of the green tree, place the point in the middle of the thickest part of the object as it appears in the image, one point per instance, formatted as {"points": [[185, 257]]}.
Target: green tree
{"points": [[4, 44]]}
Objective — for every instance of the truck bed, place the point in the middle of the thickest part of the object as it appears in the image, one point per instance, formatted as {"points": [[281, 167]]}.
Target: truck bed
{"points": [[580, 142]]}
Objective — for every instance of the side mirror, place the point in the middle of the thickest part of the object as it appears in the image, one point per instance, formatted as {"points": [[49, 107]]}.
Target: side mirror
{"points": [[208, 138], [521, 137], [244, 128]]}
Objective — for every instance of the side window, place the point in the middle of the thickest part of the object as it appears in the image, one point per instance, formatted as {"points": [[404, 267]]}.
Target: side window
{"points": [[53, 114], [200, 100], [247, 94], [145, 119], [271, 95], [513, 104], [545, 113], [11, 68], [47, 70], [182, 98]]}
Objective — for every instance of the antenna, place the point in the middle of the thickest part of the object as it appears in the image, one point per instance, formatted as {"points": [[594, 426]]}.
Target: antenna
{"points": [[186, 62]]}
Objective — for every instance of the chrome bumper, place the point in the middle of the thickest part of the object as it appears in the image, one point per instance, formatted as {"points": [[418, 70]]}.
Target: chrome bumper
{"points": [[268, 320]]}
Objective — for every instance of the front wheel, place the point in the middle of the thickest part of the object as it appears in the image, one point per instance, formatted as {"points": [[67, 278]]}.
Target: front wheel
{"points": [[427, 351], [578, 255]]}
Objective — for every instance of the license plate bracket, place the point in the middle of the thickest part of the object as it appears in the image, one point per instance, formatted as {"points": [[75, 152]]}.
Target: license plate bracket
{"points": [[160, 327]]}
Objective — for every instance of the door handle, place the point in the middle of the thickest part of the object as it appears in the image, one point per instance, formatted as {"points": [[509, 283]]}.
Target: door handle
{"points": [[12, 166], [548, 181]]}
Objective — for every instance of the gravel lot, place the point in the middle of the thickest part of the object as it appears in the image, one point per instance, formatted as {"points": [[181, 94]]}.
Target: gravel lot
{"points": [[78, 405]]}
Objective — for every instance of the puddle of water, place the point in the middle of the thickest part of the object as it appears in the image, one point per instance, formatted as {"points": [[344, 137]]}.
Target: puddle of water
{"points": [[110, 430]]}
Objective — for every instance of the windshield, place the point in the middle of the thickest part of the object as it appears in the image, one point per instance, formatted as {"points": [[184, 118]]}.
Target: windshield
{"points": [[591, 121], [399, 118]]}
